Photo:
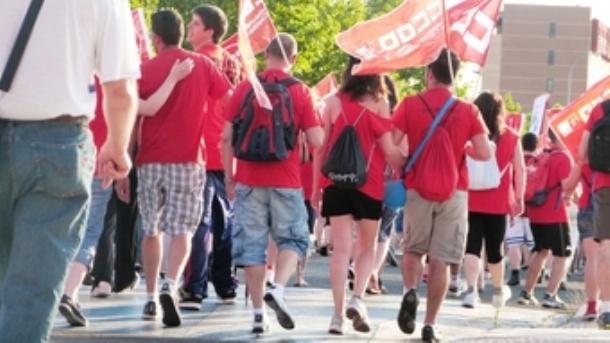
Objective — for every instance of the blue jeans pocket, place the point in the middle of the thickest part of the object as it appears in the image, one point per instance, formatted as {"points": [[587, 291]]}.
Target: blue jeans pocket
{"points": [[65, 169]]}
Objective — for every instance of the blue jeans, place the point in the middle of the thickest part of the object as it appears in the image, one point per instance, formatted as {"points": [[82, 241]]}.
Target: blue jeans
{"points": [[46, 169], [216, 223], [260, 211], [95, 223]]}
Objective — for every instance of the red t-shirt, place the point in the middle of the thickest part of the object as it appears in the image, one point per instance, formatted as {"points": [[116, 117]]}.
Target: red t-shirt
{"points": [[281, 174], [463, 122], [174, 134], [586, 180], [214, 121], [554, 210], [98, 124], [496, 201], [602, 180], [369, 129]]}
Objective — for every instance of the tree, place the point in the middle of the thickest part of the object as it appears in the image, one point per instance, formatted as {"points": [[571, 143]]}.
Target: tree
{"points": [[510, 104]]}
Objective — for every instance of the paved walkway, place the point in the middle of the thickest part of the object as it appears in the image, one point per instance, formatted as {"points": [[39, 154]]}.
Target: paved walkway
{"points": [[117, 319]]}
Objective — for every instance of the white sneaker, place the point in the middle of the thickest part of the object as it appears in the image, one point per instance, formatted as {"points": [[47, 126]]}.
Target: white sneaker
{"points": [[471, 299], [456, 288], [278, 304], [101, 290], [499, 299]]}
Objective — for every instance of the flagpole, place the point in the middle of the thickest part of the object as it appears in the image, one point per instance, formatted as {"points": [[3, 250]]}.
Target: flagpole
{"points": [[446, 32]]}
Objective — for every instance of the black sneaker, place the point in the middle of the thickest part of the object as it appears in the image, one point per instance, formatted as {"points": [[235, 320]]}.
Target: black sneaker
{"points": [[430, 333], [227, 297], [150, 311], [514, 279], [189, 301], [408, 311], [324, 251], [171, 314], [260, 325], [604, 321], [71, 311]]}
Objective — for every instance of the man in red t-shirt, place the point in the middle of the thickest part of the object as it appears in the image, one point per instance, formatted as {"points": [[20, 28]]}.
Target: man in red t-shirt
{"points": [[435, 228], [205, 31], [601, 208], [269, 195], [550, 229], [170, 160]]}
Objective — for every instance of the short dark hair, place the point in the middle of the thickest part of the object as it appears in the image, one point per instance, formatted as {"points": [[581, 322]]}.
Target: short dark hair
{"points": [[440, 67], [283, 41], [529, 142], [392, 92], [168, 25], [491, 106], [357, 86], [213, 18]]}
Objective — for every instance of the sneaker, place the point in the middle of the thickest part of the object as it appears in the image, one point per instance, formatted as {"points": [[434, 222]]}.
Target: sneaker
{"points": [[514, 279], [356, 312], [150, 311], [563, 286], [456, 288], [471, 299], [553, 301], [408, 311], [260, 324], [324, 251], [227, 297], [171, 314], [591, 312], [278, 304], [430, 333], [604, 321], [189, 301], [336, 325], [526, 298], [101, 290], [500, 298], [71, 311]]}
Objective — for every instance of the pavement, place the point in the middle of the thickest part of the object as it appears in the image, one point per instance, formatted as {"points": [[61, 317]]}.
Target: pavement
{"points": [[117, 318]]}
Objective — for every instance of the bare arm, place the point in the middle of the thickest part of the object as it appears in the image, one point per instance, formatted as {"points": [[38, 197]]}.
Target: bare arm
{"points": [[583, 149], [120, 106], [518, 187], [481, 149], [179, 71], [227, 155], [318, 154]]}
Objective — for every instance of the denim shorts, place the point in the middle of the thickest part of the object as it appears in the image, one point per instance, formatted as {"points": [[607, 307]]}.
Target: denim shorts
{"points": [[260, 211], [586, 229]]}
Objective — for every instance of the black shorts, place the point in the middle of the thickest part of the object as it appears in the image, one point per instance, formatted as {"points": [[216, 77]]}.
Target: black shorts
{"points": [[339, 202], [488, 228], [554, 237], [311, 216]]}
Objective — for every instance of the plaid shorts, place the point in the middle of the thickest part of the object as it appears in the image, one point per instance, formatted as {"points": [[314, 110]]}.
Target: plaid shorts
{"points": [[170, 197]]}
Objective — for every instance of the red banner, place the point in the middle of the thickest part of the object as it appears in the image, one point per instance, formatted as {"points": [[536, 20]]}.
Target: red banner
{"points": [[142, 39], [472, 26], [246, 8], [231, 45], [569, 124], [413, 34], [514, 121]]}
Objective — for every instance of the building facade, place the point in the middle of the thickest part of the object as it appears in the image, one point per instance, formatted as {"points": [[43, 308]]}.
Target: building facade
{"points": [[556, 49]]}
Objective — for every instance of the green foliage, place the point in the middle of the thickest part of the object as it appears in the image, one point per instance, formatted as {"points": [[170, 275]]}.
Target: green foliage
{"points": [[510, 104], [558, 105]]}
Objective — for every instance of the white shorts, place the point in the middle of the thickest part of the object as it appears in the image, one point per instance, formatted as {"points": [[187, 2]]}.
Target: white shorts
{"points": [[519, 233]]}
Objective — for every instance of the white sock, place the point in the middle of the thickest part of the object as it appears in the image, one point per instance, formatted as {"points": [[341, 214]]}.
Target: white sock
{"points": [[605, 306], [259, 311], [152, 296]]}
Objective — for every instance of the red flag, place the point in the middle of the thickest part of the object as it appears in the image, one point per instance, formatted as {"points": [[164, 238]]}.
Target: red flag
{"points": [[325, 86], [142, 39], [569, 123], [246, 7], [410, 35], [231, 46], [472, 25], [514, 121]]}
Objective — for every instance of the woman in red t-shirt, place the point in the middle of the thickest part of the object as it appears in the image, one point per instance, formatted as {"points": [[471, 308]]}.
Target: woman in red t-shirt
{"points": [[489, 208], [360, 100]]}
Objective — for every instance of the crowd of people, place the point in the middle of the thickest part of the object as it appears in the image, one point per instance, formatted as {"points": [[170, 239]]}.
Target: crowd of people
{"points": [[219, 182]]}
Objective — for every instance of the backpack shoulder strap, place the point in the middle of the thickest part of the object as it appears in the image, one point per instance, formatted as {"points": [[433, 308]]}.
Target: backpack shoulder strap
{"points": [[429, 133]]}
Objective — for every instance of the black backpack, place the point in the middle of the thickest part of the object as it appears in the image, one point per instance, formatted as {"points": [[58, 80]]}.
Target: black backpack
{"points": [[599, 142], [346, 164], [262, 135]]}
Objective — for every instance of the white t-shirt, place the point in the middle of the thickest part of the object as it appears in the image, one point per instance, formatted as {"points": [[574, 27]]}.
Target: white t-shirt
{"points": [[71, 40]]}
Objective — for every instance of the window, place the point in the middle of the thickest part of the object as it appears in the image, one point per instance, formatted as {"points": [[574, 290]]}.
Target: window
{"points": [[551, 58], [552, 29], [499, 26], [550, 84]]}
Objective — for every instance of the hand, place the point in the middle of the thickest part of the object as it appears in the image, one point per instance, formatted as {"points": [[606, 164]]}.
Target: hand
{"points": [[113, 164], [123, 190], [230, 187], [517, 207], [181, 69]]}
